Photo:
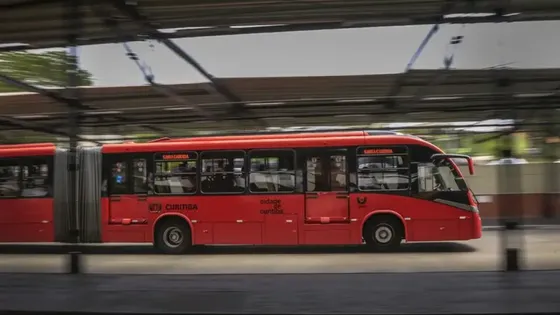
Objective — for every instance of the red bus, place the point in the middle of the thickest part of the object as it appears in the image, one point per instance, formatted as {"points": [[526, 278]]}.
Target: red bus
{"points": [[299, 189]]}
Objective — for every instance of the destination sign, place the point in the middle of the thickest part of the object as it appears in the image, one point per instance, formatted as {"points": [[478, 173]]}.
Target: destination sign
{"points": [[378, 151], [176, 156], [382, 151]]}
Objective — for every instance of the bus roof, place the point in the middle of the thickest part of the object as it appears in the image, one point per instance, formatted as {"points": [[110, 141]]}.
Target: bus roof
{"points": [[264, 143], [236, 142], [26, 145], [41, 150]]}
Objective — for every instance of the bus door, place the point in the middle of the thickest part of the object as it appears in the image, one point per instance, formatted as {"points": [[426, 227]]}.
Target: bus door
{"points": [[128, 191], [437, 219], [326, 190]]}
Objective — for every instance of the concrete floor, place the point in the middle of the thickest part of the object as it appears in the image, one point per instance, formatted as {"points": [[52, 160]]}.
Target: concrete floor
{"points": [[542, 252], [396, 293]]}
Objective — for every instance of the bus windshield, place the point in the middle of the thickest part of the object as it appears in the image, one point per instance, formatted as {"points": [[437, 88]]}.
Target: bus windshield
{"points": [[448, 177], [441, 175]]}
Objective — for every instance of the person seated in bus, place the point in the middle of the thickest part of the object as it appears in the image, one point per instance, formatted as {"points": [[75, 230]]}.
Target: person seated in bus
{"points": [[371, 177], [140, 178], [34, 183], [258, 178], [228, 180], [9, 186], [338, 177], [206, 184], [176, 181], [188, 181], [321, 182]]}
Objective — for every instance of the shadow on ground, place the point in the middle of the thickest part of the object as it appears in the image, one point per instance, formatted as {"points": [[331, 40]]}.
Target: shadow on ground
{"points": [[229, 250]]}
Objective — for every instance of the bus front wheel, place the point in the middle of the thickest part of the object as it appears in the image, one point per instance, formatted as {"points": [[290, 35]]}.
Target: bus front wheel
{"points": [[173, 236], [383, 233]]}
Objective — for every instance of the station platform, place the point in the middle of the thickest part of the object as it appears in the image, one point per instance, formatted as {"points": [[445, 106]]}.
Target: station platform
{"points": [[456, 277], [541, 252], [435, 293]]}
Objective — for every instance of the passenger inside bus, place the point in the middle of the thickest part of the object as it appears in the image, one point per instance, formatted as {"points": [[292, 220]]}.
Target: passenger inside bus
{"points": [[35, 181], [175, 177], [9, 183], [338, 177], [220, 176]]}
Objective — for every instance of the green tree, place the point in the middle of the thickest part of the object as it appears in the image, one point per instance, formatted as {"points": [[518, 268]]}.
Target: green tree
{"points": [[48, 69]]}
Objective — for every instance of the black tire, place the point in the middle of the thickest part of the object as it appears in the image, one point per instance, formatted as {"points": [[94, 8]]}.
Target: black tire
{"points": [[383, 234], [173, 237]]}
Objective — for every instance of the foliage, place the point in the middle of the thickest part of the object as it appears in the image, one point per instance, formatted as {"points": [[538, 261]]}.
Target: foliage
{"points": [[48, 69]]}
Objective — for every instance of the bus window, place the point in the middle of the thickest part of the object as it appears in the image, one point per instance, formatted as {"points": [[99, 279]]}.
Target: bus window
{"points": [[442, 177], [35, 179], [338, 172], [223, 172], [140, 176], [316, 181], [119, 178], [175, 173], [383, 172], [9, 179], [326, 173], [272, 171]]}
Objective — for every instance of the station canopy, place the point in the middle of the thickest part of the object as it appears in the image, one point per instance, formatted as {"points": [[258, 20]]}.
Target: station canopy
{"points": [[32, 24], [422, 95]]}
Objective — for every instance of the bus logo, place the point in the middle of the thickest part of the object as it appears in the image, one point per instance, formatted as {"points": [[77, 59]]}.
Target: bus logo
{"points": [[361, 200], [155, 207]]}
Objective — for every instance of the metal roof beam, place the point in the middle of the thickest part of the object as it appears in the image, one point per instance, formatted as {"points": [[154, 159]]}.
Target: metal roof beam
{"points": [[56, 96], [50, 94], [224, 31], [35, 127], [113, 24], [129, 10], [151, 30], [26, 4]]}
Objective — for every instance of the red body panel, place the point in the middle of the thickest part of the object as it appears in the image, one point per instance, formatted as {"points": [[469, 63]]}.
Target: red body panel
{"points": [[27, 145], [28, 219], [13, 152], [240, 219]]}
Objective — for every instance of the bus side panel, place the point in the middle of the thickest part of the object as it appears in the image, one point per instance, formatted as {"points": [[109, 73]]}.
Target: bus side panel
{"points": [[234, 219], [26, 220], [123, 230], [282, 216], [223, 219], [424, 220]]}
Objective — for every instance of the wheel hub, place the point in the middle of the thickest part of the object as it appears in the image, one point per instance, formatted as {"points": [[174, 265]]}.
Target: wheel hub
{"points": [[383, 234], [173, 237]]}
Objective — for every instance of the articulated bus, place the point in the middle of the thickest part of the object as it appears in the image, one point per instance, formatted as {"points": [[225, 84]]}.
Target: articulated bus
{"points": [[327, 188]]}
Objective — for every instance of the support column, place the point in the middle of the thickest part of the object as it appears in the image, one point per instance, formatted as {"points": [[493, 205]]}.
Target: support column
{"points": [[510, 207], [551, 153], [73, 16]]}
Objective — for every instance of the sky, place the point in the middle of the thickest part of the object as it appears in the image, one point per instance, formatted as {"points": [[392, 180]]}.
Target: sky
{"points": [[330, 52]]}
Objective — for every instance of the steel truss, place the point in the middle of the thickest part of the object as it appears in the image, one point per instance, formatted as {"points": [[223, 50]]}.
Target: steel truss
{"points": [[223, 17]]}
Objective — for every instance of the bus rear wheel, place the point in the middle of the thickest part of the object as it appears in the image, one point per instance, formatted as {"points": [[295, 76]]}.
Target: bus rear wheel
{"points": [[173, 236], [383, 234]]}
